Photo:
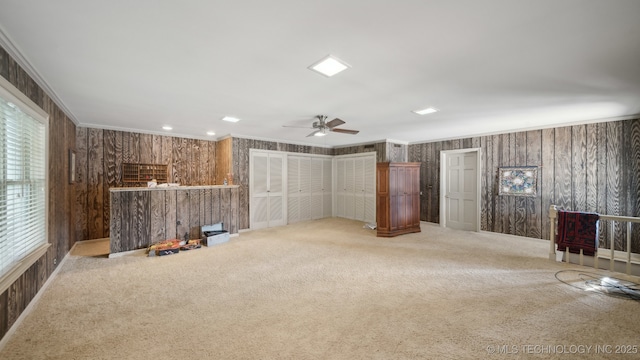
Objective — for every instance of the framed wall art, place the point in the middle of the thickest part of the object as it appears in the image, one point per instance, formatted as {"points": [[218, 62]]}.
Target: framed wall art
{"points": [[518, 181]]}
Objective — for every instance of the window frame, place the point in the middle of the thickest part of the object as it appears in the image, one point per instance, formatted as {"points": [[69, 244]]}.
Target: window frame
{"points": [[10, 93]]}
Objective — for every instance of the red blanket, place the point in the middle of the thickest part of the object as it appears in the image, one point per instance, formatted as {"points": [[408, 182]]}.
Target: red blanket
{"points": [[577, 230]]}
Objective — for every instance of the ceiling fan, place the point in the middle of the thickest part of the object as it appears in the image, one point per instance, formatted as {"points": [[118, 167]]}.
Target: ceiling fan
{"points": [[322, 127]]}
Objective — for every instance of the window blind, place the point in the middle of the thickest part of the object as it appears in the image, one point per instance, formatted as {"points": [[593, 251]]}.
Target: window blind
{"points": [[22, 186]]}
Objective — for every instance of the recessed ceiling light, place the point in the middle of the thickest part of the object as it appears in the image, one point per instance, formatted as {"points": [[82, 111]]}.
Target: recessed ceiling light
{"points": [[230, 119], [329, 66], [426, 111], [210, 133], [167, 127]]}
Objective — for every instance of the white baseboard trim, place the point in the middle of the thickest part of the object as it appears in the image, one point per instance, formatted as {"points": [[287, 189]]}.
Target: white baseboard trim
{"points": [[34, 301]]}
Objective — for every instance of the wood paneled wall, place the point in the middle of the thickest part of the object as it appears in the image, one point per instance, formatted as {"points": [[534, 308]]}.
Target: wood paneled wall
{"points": [[593, 167], [142, 217], [397, 152], [14, 300], [240, 166], [380, 149], [385, 151], [100, 155], [224, 159]]}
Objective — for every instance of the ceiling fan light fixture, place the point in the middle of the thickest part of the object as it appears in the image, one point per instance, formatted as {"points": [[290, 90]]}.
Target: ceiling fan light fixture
{"points": [[329, 66], [429, 110], [320, 133]]}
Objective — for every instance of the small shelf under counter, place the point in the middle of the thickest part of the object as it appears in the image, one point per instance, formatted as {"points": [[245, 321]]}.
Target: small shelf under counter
{"points": [[141, 216]]}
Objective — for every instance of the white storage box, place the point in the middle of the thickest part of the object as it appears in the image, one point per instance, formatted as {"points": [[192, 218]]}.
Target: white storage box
{"points": [[213, 234]]}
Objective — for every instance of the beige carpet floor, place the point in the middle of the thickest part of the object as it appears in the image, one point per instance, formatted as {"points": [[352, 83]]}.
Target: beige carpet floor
{"points": [[328, 289]]}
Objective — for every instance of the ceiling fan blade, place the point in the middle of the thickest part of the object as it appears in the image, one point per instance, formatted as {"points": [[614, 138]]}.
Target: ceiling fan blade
{"points": [[313, 133], [346, 131], [335, 122]]}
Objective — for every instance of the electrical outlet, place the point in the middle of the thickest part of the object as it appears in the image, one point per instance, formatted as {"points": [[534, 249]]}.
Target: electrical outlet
{"points": [[55, 262]]}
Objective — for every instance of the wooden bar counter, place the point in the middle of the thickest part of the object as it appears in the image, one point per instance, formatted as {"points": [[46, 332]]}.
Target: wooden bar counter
{"points": [[142, 216]]}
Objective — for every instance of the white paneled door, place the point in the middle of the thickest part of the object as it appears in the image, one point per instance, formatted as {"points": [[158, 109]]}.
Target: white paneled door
{"points": [[266, 184], [460, 182]]}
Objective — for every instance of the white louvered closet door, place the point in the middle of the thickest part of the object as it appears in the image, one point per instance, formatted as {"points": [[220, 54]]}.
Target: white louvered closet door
{"points": [[305, 188], [266, 190], [327, 187], [293, 198], [276, 190], [370, 189], [259, 195], [340, 188], [299, 188], [317, 188], [349, 189], [358, 189]]}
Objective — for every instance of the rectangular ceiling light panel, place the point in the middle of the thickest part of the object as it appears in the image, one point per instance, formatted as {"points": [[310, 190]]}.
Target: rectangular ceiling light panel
{"points": [[329, 66], [230, 119], [426, 111]]}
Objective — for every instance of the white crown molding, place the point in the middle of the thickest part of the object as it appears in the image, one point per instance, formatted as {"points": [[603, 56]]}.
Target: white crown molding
{"points": [[532, 128], [372, 142], [401, 142], [362, 154], [14, 51], [276, 140], [140, 131], [210, 138]]}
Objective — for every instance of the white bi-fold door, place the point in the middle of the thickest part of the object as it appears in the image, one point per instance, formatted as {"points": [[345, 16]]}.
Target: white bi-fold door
{"points": [[309, 188], [298, 188], [356, 187], [266, 184]]}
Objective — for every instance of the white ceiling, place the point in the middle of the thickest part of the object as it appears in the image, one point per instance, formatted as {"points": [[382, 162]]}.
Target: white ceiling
{"points": [[490, 66]]}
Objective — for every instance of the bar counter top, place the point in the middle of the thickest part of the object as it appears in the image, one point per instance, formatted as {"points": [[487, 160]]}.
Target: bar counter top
{"points": [[197, 187]]}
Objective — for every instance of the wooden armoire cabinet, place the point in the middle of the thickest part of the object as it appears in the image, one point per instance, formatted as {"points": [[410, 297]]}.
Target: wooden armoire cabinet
{"points": [[397, 198]]}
